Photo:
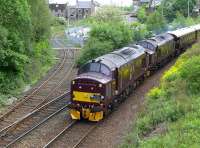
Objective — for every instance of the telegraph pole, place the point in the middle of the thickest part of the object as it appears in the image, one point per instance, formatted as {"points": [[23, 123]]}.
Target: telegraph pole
{"points": [[77, 11], [188, 8]]}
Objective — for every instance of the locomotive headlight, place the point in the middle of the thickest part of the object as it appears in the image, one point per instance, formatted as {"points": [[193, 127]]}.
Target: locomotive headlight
{"points": [[73, 82], [100, 85]]}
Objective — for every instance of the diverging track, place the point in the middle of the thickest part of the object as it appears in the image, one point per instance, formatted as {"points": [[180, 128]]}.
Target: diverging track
{"points": [[28, 123], [40, 104]]}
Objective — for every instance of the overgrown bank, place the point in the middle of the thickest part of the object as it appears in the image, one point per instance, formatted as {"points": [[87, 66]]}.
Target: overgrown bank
{"points": [[25, 53], [171, 113]]}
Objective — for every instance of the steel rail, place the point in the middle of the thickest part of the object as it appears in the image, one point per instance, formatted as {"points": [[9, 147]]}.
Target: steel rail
{"points": [[60, 134], [36, 126], [5, 130], [84, 136], [52, 91], [56, 138], [46, 99]]}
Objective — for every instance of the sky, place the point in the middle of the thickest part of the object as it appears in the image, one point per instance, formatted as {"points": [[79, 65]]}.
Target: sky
{"points": [[103, 2]]}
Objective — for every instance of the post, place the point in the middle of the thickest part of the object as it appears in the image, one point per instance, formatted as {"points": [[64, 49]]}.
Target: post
{"points": [[68, 16], [163, 4], [188, 8], [77, 11]]}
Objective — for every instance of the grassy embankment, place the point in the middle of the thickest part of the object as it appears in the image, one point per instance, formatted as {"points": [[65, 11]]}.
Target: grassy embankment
{"points": [[171, 116]]}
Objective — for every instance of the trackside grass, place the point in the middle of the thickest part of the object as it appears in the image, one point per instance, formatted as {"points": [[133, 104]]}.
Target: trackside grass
{"points": [[171, 116]]}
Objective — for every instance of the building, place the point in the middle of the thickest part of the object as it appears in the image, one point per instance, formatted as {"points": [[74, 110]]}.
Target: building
{"points": [[58, 10], [81, 10], [152, 3]]}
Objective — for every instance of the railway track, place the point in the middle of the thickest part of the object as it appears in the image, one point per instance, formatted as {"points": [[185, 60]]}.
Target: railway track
{"points": [[25, 125], [48, 90], [66, 137]]}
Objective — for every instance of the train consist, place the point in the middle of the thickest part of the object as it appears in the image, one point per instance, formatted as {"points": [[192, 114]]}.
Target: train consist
{"points": [[102, 83]]}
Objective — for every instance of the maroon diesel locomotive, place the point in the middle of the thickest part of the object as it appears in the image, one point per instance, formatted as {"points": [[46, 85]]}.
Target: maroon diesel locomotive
{"points": [[101, 84]]}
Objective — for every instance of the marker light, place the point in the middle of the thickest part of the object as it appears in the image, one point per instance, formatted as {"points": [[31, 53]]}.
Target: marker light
{"points": [[73, 82], [100, 85]]}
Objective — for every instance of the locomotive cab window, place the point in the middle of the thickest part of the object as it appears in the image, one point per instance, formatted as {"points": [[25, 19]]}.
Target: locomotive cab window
{"points": [[95, 67]]}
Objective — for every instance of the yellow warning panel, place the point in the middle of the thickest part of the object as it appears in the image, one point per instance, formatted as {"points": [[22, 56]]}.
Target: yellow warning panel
{"points": [[75, 114]]}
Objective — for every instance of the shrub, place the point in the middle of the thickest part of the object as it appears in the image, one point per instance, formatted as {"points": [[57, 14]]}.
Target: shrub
{"points": [[156, 22], [104, 38], [93, 49], [190, 72]]}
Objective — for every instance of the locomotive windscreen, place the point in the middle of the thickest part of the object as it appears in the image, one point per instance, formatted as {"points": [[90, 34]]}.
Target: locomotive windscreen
{"points": [[95, 67]]}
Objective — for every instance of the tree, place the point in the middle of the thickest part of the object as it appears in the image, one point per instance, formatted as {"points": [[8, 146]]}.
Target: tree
{"points": [[156, 23], [141, 15], [41, 19], [109, 32], [139, 31], [108, 14], [172, 7], [104, 38], [15, 26], [24, 29]]}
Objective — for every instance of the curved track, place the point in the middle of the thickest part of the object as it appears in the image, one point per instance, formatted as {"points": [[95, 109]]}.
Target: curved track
{"points": [[16, 122], [28, 123]]}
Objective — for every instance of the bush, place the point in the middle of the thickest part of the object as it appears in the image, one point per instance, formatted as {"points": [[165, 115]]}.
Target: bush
{"points": [[104, 38], [156, 22], [140, 31], [142, 15], [93, 49], [190, 72], [24, 43]]}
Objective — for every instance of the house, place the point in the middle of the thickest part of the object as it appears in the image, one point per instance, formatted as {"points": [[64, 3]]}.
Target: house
{"points": [[58, 10], [81, 10]]}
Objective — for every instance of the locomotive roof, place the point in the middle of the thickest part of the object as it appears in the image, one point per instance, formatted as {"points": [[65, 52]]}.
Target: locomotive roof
{"points": [[181, 32], [95, 76], [162, 39], [151, 44], [111, 60], [121, 56], [130, 53]]}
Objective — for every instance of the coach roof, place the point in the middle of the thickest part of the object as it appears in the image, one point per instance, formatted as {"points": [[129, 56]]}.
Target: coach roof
{"points": [[182, 32]]}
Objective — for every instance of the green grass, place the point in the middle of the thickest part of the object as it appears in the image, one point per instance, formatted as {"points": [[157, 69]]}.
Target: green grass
{"points": [[171, 115]]}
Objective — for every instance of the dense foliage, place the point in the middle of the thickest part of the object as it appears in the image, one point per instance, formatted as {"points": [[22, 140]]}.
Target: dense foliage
{"points": [[171, 7], [24, 33], [108, 33], [171, 115], [156, 22]]}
